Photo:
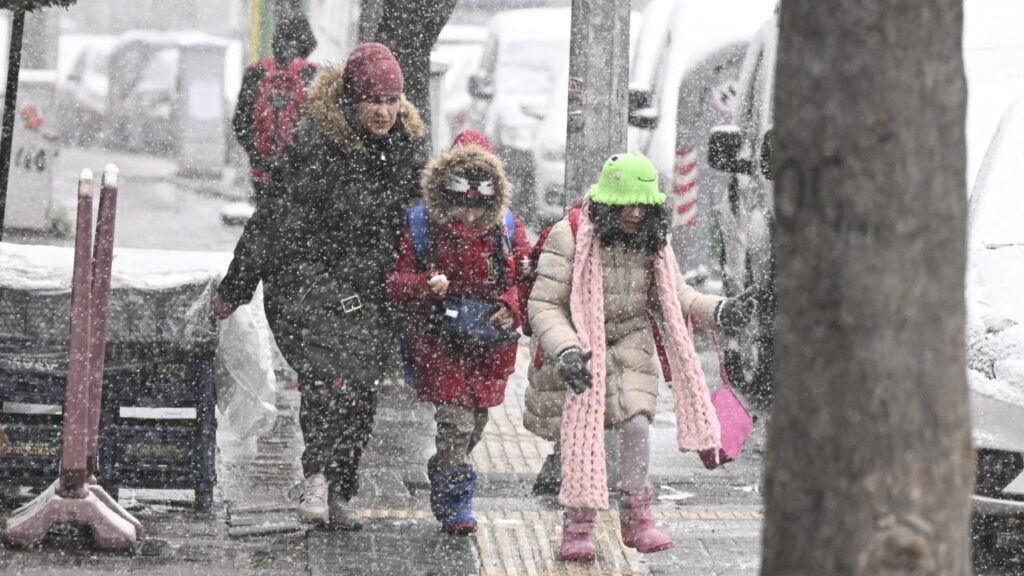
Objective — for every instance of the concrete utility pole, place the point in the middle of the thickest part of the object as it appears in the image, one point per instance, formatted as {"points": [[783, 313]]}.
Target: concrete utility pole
{"points": [[598, 91]]}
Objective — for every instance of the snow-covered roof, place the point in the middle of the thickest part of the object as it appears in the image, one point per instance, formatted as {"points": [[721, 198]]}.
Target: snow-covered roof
{"points": [[462, 34], [531, 24], [173, 38], [48, 268]]}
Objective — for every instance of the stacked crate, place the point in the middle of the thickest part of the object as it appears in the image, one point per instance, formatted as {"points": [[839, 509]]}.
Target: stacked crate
{"points": [[158, 428], [157, 425]]}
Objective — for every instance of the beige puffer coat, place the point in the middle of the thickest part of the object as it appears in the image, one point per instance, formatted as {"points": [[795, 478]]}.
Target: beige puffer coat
{"points": [[632, 366]]}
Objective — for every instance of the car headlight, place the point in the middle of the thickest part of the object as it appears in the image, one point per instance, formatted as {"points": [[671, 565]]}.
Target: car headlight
{"points": [[516, 136]]}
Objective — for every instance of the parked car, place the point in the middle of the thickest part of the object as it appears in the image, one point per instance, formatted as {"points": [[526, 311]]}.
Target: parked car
{"points": [[458, 47], [993, 49], [647, 64], [80, 93], [146, 95], [524, 54], [995, 340], [991, 45], [746, 213], [549, 202], [691, 92], [153, 104]]}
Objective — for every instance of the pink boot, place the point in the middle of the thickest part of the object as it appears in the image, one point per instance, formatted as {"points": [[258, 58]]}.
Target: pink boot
{"points": [[637, 522], [576, 529]]}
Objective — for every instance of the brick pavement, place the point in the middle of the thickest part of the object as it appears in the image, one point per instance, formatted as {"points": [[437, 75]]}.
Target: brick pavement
{"points": [[713, 517]]}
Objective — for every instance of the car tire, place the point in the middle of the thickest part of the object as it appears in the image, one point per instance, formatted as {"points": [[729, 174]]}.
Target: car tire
{"points": [[750, 355]]}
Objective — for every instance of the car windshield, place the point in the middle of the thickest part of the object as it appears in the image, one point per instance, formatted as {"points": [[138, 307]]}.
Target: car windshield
{"points": [[530, 67], [998, 199]]}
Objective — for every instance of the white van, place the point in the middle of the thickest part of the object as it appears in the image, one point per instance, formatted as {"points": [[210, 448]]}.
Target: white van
{"points": [[745, 213], [522, 58], [992, 46], [549, 202], [691, 91]]}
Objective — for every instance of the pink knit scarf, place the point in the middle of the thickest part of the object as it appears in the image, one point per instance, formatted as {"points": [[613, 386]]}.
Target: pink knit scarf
{"points": [[584, 477]]}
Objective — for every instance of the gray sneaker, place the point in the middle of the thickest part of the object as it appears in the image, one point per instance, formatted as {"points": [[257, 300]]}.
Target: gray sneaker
{"points": [[313, 502], [343, 516]]}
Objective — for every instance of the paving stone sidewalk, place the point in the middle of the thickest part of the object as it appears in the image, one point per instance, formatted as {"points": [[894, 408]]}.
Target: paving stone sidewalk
{"points": [[714, 517]]}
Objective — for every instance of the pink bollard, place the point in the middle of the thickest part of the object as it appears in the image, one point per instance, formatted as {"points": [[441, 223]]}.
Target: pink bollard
{"points": [[102, 260], [72, 498], [73, 468]]}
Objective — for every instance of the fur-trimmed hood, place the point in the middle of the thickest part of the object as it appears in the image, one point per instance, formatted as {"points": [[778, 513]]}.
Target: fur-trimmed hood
{"points": [[324, 94], [460, 160]]}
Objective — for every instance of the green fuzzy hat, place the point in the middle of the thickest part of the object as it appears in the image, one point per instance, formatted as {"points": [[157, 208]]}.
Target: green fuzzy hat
{"points": [[627, 179]]}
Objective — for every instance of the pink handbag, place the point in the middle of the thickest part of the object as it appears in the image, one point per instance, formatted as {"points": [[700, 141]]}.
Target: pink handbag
{"points": [[733, 417]]}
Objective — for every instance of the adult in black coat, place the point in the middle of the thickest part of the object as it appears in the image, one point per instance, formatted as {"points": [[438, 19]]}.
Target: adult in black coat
{"points": [[350, 175]]}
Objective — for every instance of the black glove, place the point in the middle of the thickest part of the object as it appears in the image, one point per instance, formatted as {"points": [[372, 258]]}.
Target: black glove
{"points": [[734, 314], [572, 367]]}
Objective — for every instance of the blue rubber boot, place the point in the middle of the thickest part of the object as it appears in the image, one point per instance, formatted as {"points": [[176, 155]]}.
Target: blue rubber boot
{"points": [[451, 500]]}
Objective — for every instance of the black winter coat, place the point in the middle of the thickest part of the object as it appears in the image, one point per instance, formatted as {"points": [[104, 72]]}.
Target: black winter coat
{"points": [[329, 236]]}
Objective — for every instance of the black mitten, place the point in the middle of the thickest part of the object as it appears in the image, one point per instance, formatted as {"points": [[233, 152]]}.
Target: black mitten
{"points": [[572, 367], [734, 314]]}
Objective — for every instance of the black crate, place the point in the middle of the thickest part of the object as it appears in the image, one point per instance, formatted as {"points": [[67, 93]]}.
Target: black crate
{"points": [[34, 315], [33, 378], [178, 314], [156, 375], [34, 459], [160, 377], [162, 454], [133, 453]]}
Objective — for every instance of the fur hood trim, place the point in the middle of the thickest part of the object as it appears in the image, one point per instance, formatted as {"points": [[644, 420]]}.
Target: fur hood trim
{"points": [[459, 160], [324, 94]]}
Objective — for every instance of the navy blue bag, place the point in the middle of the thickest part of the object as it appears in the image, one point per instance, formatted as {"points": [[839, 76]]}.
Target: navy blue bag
{"points": [[462, 319], [465, 320]]}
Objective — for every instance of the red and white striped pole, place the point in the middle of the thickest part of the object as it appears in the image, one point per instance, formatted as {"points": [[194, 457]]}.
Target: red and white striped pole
{"points": [[684, 188]]}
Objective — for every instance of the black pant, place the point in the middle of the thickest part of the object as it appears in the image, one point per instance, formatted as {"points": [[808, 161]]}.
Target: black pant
{"points": [[336, 419]]}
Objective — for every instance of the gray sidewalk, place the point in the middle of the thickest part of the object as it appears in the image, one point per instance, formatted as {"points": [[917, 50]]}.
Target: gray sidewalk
{"points": [[714, 517]]}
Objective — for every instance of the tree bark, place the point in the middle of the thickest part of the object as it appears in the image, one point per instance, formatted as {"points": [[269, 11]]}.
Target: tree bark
{"points": [[869, 469], [410, 29]]}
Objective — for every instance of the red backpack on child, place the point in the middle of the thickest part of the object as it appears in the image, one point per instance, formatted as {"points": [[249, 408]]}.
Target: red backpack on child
{"points": [[280, 96], [526, 285]]}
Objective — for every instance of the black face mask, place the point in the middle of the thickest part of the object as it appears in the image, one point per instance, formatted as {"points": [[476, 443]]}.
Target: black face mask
{"points": [[471, 190]]}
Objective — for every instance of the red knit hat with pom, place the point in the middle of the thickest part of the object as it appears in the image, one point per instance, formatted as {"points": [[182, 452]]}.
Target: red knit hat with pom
{"points": [[372, 72], [473, 137]]}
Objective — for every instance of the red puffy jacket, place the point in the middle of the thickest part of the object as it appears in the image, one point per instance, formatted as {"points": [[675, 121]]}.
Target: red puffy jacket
{"points": [[466, 376]]}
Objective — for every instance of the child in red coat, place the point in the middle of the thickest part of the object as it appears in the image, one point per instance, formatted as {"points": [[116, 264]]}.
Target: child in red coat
{"points": [[457, 278]]}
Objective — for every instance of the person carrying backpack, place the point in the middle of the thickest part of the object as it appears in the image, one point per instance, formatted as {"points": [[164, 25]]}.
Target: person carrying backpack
{"points": [[456, 277], [596, 289], [271, 99]]}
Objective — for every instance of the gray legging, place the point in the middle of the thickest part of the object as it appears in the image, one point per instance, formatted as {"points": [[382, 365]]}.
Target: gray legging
{"points": [[635, 446], [634, 451]]}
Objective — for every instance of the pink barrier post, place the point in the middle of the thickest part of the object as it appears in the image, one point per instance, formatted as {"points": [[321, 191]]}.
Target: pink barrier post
{"points": [[102, 260], [75, 498], [76, 403]]}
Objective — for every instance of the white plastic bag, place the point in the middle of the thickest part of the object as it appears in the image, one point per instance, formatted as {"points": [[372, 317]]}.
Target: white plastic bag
{"points": [[244, 374]]}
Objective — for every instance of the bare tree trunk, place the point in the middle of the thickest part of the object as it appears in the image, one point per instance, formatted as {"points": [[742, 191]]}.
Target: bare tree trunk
{"points": [[869, 451], [410, 28]]}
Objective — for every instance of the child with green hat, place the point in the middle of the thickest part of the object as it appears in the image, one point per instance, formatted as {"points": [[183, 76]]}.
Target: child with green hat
{"points": [[603, 272]]}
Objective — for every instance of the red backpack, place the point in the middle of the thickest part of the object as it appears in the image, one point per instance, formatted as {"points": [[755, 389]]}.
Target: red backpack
{"points": [[526, 285], [280, 96]]}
